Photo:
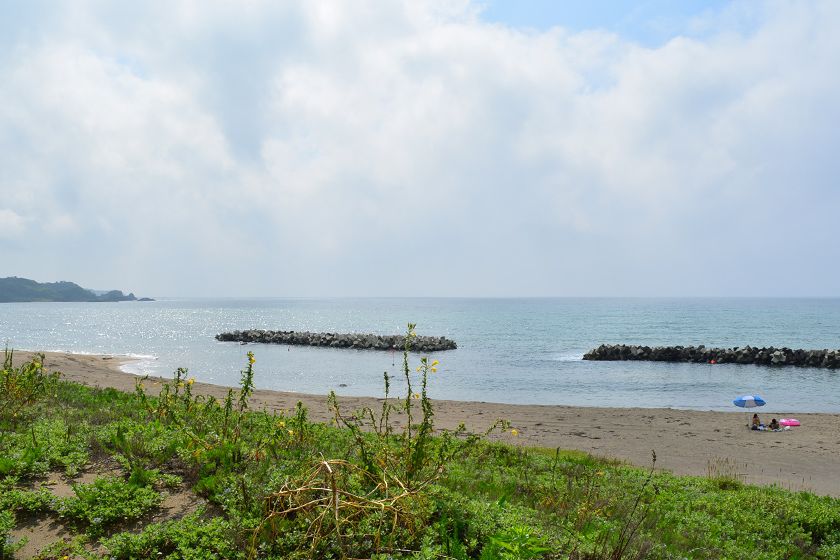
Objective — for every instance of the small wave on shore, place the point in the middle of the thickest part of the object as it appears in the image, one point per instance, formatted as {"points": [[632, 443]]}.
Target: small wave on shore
{"points": [[576, 357], [138, 364], [57, 350]]}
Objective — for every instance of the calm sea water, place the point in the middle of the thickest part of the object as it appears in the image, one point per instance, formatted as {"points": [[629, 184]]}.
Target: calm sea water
{"points": [[510, 350]]}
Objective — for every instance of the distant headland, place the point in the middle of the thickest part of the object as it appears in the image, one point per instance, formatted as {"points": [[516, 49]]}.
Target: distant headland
{"points": [[19, 290]]}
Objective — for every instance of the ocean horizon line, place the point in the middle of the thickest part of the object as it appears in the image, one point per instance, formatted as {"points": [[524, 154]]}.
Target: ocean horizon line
{"points": [[479, 298]]}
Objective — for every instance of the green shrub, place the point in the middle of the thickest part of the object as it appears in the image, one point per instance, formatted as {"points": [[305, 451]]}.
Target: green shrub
{"points": [[107, 501], [48, 443], [7, 523], [378, 498], [515, 543], [191, 538], [22, 387], [27, 501]]}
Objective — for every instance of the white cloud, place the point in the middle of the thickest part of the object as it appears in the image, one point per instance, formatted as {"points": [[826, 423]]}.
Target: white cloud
{"points": [[11, 224], [330, 147]]}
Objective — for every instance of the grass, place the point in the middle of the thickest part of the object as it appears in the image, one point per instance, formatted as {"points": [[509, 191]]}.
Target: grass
{"points": [[280, 486]]}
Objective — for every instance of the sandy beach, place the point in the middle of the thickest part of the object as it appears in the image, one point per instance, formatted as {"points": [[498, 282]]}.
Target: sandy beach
{"points": [[686, 442]]}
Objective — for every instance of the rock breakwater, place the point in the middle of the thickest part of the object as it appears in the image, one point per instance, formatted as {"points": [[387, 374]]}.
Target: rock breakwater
{"points": [[338, 340], [768, 356]]}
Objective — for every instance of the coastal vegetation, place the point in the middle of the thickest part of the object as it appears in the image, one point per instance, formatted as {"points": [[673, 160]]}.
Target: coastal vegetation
{"points": [[13, 289], [166, 473]]}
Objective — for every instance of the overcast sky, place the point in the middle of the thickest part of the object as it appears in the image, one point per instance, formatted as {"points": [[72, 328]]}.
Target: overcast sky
{"points": [[380, 148]]}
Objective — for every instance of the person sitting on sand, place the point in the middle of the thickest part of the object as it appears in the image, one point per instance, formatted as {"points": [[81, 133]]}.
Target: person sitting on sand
{"points": [[756, 423], [774, 424]]}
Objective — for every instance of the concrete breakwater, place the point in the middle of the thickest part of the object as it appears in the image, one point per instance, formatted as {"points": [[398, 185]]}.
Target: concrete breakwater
{"points": [[700, 354], [338, 340]]}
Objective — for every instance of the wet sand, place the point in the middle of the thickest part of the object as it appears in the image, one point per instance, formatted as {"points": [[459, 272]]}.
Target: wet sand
{"points": [[686, 442]]}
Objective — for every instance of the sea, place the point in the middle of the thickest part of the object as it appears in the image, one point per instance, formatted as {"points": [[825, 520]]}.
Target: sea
{"points": [[519, 351]]}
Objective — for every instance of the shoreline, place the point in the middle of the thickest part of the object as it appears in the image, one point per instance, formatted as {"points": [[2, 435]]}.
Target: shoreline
{"points": [[686, 442]]}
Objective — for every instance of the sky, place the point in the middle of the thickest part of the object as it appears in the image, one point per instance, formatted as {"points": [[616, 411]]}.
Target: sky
{"points": [[422, 147]]}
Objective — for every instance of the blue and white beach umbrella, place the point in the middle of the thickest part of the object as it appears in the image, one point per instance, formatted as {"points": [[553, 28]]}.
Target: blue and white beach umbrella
{"points": [[749, 401]]}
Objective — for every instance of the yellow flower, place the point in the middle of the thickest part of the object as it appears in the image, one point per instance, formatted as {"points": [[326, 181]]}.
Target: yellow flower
{"points": [[514, 432], [281, 424], [291, 432], [251, 360], [434, 363], [434, 369], [191, 381], [416, 395], [418, 368]]}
